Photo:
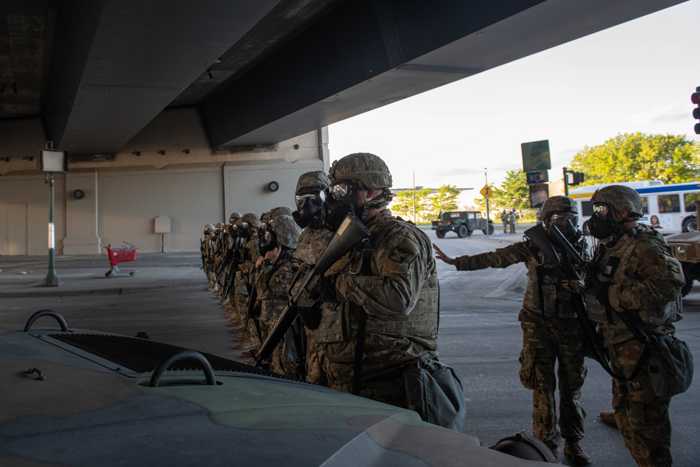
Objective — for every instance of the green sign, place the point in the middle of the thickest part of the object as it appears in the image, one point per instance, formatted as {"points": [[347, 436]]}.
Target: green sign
{"points": [[536, 156]]}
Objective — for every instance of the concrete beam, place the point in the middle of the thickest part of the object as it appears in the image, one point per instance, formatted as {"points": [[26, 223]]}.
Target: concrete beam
{"points": [[117, 64], [368, 53]]}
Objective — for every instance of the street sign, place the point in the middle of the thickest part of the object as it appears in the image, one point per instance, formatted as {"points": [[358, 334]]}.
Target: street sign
{"points": [[538, 194], [533, 178], [536, 156], [486, 191]]}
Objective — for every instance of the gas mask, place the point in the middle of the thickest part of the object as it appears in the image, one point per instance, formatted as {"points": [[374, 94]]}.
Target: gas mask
{"points": [[566, 222], [341, 202], [602, 224], [310, 209], [267, 241]]}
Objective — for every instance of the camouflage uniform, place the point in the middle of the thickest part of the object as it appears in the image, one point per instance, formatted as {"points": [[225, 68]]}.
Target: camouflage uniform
{"points": [[245, 280], [272, 285], [647, 283], [551, 333], [386, 315]]}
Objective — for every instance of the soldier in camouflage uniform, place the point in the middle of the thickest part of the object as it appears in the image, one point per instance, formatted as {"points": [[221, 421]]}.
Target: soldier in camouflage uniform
{"points": [[311, 194], [248, 230], [386, 316], [551, 330], [637, 277], [272, 289], [207, 250]]}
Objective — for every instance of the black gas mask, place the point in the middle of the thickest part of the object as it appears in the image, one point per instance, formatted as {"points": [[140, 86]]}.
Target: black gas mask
{"points": [[341, 202], [567, 223], [267, 240], [310, 209], [602, 223]]}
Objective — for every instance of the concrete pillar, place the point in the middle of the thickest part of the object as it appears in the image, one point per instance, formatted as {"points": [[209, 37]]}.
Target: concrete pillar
{"points": [[82, 235]]}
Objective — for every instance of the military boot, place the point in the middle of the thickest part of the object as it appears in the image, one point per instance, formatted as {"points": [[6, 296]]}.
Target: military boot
{"points": [[575, 454], [608, 418]]}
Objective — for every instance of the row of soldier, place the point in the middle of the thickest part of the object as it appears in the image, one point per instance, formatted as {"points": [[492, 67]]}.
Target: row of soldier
{"points": [[369, 324]]}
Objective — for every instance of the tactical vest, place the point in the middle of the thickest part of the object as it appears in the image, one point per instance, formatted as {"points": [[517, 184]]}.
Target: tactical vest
{"points": [[553, 292]]}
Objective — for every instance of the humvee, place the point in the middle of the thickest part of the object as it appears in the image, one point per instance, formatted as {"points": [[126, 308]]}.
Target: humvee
{"points": [[463, 223], [686, 248]]}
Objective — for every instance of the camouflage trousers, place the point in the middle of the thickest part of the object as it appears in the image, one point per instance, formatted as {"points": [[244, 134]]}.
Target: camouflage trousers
{"points": [[547, 343], [642, 417]]}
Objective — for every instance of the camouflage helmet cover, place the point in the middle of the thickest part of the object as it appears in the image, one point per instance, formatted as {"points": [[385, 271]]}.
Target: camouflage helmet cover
{"points": [[286, 230], [364, 168], [279, 211], [251, 219], [557, 204], [234, 217], [316, 180], [209, 228], [619, 197]]}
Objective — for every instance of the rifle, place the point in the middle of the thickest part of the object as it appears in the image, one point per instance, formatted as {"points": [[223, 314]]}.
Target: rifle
{"points": [[351, 232]]}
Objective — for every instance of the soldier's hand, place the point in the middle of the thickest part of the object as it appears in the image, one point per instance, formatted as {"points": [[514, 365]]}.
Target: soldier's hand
{"points": [[439, 254]]}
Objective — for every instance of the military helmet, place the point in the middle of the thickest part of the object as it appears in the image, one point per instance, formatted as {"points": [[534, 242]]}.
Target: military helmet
{"points": [[251, 219], [234, 217], [285, 229], [311, 181], [619, 198], [209, 228], [363, 168], [279, 211], [557, 204]]}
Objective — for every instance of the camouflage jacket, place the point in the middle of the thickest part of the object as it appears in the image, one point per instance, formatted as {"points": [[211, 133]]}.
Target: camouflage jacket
{"points": [[550, 289], [647, 281], [392, 284], [272, 287]]}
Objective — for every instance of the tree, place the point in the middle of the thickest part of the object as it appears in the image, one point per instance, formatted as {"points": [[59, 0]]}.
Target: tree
{"points": [[513, 192], [638, 156], [403, 203], [445, 199]]}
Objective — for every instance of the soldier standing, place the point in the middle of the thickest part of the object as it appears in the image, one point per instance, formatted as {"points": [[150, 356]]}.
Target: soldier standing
{"points": [[272, 290], [310, 199], [383, 336], [638, 281], [551, 330]]}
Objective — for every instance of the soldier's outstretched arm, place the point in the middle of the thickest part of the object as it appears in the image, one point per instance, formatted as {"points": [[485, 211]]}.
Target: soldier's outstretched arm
{"points": [[402, 265], [501, 258]]}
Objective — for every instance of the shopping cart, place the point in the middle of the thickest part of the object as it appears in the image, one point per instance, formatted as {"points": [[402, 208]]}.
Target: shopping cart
{"points": [[116, 256]]}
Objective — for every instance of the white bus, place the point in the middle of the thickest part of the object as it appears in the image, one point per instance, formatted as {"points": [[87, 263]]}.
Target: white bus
{"points": [[670, 207]]}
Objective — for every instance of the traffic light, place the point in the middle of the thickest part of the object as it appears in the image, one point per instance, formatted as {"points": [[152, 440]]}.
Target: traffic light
{"points": [[578, 178], [695, 99]]}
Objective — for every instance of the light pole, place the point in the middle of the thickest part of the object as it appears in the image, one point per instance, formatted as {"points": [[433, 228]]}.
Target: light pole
{"points": [[52, 162], [488, 194], [414, 196]]}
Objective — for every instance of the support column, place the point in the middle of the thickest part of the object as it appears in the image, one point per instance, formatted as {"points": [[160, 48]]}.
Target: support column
{"points": [[82, 235]]}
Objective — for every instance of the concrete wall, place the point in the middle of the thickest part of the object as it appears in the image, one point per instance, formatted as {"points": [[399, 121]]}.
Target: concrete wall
{"points": [[167, 170], [24, 214]]}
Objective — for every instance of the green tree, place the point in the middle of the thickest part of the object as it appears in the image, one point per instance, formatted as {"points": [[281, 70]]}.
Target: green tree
{"points": [[638, 156], [403, 203], [445, 199], [513, 192]]}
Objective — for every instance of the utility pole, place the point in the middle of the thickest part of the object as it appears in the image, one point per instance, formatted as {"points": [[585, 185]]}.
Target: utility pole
{"points": [[566, 181], [488, 194], [414, 196], [52, 162]]}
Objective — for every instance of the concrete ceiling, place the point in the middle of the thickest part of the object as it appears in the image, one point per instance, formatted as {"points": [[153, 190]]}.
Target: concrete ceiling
{"points": [[96, 72]]}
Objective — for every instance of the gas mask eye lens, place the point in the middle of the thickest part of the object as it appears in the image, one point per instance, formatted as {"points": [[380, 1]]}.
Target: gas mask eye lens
{"points": [[340, 191], [600, 210]]}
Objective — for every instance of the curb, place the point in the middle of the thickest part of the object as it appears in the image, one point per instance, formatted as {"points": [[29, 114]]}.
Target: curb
{"points": [[77, 293]]}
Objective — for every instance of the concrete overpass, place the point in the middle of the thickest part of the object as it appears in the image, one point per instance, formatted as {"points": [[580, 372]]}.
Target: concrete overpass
{"points": [[151, 88]]}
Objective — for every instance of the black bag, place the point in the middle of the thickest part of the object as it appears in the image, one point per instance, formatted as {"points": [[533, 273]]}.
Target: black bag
{"points": [[670, 365], [434, 390]]}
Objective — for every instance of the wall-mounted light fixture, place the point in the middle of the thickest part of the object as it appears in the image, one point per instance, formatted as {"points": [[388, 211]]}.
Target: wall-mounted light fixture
{"points": [[78, 194], [273, 186]]}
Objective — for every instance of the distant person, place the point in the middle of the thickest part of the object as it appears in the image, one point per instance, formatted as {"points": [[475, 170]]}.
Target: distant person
{"points": [[504, 219], [513, 218], [655, 224]]}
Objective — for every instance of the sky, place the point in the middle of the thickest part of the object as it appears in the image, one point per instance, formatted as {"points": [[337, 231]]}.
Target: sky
{"points": [[637, 76]]}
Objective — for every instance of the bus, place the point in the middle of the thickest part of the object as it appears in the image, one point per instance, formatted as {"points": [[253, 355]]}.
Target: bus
{"points": [[671, 208]]}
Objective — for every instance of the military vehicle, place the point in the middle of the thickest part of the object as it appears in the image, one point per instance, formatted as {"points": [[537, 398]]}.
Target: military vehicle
{"points": [[463, 223], [86, 398], [686, 248]]}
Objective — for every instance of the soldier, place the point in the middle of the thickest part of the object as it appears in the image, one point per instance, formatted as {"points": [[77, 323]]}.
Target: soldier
{"points": [[381, 341], [272, 290], [311, 195], [550, 328], [638, 281], [248, 232], [207, 250]]}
